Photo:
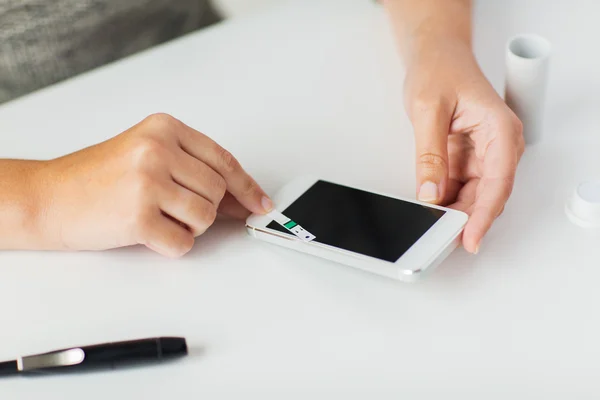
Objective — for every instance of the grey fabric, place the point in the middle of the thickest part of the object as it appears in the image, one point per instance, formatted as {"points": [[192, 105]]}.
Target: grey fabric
{"points": [[46, 41]]}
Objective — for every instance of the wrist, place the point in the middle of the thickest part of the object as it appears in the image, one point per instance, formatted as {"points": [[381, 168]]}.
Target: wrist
{"points": [[41, 234], [36, 208], [423, 25], [22, 205], [430, 45]]}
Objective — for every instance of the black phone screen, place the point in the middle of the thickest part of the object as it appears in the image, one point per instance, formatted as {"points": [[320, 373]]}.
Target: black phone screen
{"points": [[362, 222]]}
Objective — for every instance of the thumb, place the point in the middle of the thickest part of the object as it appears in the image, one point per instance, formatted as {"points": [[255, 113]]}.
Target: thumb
{"points": [[431, 125]]}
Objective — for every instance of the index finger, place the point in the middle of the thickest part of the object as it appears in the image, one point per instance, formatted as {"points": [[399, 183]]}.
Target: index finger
{"points": [[241, 185], [493, 191]]}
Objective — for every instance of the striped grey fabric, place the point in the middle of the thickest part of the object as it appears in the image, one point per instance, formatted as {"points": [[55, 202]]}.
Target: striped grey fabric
{"points": [[46, 41]]}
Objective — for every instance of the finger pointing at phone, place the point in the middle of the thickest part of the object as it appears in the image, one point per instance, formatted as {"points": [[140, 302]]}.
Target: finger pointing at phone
{"points": [[160, 184], [239, 183]]}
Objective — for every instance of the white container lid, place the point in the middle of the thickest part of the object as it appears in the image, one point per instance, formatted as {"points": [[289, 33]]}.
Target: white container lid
{"points": [[583, 207]]}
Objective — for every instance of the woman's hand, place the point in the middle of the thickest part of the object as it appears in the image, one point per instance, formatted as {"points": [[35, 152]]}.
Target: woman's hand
{"points": [[468, 141], [159, 184]]}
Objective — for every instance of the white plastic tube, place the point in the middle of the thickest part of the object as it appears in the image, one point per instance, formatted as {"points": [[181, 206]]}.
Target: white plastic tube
{"points": [[527, 60]]}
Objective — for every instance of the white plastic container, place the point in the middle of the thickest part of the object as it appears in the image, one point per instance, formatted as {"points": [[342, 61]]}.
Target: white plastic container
{"points": [[527, 60], [583, 207]]}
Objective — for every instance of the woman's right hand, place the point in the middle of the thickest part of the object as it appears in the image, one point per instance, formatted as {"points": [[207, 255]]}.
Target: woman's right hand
{"points": [[159, 184]]}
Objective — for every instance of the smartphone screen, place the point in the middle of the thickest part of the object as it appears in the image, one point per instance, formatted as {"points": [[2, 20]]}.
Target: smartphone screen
{"points": [[362, 222]]}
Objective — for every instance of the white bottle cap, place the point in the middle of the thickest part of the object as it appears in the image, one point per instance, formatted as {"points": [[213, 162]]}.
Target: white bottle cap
{"points": [[583, 207]]}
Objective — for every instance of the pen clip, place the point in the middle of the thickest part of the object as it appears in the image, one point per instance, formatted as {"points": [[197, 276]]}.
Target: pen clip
{"points": [[62, 358]]}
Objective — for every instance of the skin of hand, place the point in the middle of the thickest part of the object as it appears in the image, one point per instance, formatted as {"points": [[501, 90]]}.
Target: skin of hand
{"points": [[160, 184], [468, 142]]}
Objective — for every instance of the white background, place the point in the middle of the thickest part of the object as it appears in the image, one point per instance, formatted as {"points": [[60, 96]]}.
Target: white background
{"points": [[320, 78]]}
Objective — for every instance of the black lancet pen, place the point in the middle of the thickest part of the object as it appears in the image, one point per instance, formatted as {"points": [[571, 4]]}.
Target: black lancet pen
{"points": [[100, 356]]}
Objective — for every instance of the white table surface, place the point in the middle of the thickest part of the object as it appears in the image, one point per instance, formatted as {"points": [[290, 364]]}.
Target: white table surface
{"points": [[320, 78]]}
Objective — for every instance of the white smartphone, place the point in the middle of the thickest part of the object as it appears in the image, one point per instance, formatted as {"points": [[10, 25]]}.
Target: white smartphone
{"points": [[398, 238]]}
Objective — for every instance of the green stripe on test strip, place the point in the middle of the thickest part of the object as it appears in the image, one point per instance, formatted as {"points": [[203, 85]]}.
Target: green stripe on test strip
{"points": [[290, 224]]}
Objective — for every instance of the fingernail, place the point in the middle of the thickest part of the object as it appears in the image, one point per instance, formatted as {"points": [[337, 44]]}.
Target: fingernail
{"points": [[267, 204], [428, 192], [477, 249]]}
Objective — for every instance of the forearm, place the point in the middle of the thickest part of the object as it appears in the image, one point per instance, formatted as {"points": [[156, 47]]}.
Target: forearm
{"points": [[20, 205], [421, 24]]}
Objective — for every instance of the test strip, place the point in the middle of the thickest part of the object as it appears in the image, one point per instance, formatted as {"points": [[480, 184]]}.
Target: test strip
{"points": [[291, 226]]}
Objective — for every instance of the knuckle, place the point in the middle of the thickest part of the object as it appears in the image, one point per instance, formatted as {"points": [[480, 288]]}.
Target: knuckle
{"points": [[520, 146], [159, 120], [250, 188], [192, 207], [520, 139], [518, 124], [147, 151], [162, 126], [515, 126], [183, 243], [228, 161], [220, 186], [202, 213], [209, 215], [431, 161]]}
